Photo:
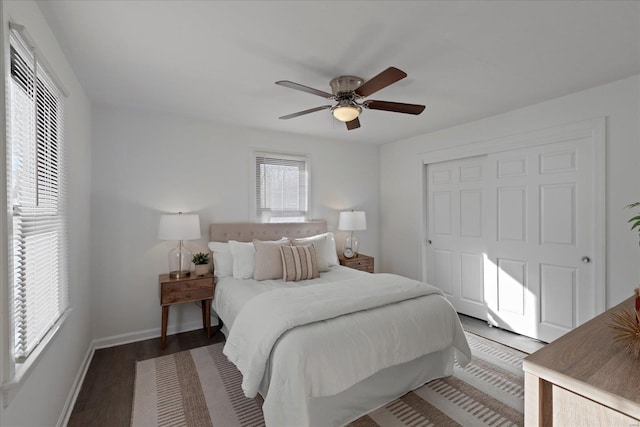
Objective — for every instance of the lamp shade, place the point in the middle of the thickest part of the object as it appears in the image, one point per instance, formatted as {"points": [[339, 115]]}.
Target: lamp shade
{"points": [[179, 227], [352, 221]]}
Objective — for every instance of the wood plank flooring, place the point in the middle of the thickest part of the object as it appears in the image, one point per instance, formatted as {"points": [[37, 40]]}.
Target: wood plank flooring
{"points": [[106, 395]]}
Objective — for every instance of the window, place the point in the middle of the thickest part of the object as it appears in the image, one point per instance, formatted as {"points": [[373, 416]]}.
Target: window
{"points": [[36, 194], [282, 187]]}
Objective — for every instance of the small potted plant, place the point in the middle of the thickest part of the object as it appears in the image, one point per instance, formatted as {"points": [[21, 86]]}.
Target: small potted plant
{"points": [[201, 261], [634, 221]]}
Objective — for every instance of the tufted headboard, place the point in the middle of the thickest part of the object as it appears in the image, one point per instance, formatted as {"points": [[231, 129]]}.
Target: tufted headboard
{"points": [[247, 231]]}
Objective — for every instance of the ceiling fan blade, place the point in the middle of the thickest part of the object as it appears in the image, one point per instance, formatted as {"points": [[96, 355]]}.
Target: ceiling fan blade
{"points": [[382, 80], [396, 107], [301, 113], [298, 86], [353, 124]]}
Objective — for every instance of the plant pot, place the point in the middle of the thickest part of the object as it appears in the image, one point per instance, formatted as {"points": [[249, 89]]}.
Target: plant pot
{"points": [[202, 269]]}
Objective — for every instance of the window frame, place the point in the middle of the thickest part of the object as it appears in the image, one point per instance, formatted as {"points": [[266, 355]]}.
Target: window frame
{"points": [[49, 88], [296, 157]]}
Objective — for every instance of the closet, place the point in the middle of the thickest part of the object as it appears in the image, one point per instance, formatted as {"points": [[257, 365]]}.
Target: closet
{"points": [[511, 235]]}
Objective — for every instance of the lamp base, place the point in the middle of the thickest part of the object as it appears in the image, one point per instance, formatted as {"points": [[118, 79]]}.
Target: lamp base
{"points": [[179, 262], [352, 243], [179, 274]]}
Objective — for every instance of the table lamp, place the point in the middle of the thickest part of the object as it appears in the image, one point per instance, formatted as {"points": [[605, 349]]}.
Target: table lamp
{"points": [[352, 221], [179, 227]]}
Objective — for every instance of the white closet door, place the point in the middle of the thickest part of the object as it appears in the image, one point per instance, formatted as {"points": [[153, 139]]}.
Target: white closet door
{"points": [[511, 235], [456, 246], [541, 238]]}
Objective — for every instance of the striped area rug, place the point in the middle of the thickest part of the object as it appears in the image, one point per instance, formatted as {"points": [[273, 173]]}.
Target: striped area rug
{"points": [[181, 389]]}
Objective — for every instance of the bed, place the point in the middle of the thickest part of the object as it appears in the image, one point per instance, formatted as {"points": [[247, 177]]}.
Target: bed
{"points": [[325, 351]]}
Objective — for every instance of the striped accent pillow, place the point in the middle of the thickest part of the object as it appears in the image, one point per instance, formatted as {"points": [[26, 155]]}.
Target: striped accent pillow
{"points": [[299, 263]]}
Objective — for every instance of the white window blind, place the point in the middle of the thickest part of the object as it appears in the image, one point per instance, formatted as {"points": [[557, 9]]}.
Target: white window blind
{"points": [[36, 197], [282, 189]]}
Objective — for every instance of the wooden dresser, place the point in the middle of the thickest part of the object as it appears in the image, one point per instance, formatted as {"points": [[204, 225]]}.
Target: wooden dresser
{"points": [[583, 379]]}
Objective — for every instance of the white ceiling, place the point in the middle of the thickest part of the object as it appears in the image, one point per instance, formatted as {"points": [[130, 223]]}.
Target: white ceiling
{"points": [[464, 60]]}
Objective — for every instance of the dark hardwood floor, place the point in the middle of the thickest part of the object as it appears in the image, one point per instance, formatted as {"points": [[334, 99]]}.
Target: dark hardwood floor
{"points": [[106, 395], [107, 391]]}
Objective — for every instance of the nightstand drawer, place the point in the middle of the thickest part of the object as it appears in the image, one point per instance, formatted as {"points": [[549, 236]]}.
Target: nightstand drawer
{"points": [[361, 262], [187, 295], [186, 289], [188, 285], [355, 263]]}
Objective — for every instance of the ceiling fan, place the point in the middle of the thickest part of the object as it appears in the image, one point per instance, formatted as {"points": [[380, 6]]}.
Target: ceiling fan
{"points": [[348, 92]]}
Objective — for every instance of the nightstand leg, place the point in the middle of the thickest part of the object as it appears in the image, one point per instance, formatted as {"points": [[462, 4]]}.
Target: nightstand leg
{"points": [[203, 309], [165, 318], [207, 304]]}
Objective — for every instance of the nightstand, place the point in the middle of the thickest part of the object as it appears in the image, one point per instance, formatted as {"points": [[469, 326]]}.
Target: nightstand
{"points": [[358, 262], [187, 289]]}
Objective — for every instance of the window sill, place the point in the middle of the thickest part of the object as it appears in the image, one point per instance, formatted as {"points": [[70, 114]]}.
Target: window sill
{"points": [[23, 370]]}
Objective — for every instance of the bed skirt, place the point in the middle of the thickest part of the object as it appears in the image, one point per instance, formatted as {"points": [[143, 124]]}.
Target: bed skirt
{"points": [[379, 389]]}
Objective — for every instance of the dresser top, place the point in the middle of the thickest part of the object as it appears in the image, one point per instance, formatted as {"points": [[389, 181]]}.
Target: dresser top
{"points": [[587, 356]]}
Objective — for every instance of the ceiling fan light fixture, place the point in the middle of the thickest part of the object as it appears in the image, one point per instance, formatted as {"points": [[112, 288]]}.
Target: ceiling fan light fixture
{"points": [[349, 91], [346, 113]]}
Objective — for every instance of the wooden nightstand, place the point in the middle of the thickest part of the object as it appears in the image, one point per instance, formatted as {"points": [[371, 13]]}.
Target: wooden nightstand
{"points": [[358, 262], [188, 289]]}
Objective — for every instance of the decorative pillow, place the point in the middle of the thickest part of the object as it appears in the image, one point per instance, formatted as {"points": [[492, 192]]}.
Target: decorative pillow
{"points": [[330, 252], [268, 261], [319, 242], [299, 263], [222, 259], [243, 254]]}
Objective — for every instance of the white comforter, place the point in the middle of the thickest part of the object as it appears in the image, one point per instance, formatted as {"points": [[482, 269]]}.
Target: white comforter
{"points": [[378, 335]]}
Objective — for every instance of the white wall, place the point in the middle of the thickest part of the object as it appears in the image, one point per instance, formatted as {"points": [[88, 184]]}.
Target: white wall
{"points": [[40, 401], [146, 164], [619, 102]]}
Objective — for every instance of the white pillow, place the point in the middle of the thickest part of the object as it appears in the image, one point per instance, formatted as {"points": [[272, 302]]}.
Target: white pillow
{"points": [[330, 252], [222, 259], [243, 259], [319, 242]]}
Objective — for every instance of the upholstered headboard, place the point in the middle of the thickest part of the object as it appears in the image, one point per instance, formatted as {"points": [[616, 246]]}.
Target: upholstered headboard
{"points": [[247, 231]]}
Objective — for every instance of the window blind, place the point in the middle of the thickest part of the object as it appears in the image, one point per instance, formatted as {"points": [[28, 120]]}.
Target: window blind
{"points": [[281, 187], [37, 195]]}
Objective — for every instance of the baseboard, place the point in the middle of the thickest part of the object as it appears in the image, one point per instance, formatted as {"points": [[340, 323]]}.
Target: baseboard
{"points": [[145, 335], [75, 389]]}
